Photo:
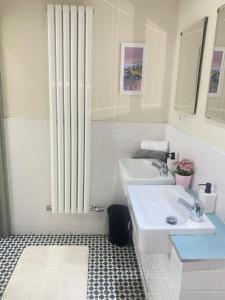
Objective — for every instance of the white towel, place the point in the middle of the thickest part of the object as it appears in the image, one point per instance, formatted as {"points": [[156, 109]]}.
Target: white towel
{"points": [[162, 146]]}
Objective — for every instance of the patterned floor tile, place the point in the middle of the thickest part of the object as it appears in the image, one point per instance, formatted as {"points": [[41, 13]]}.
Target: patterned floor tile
{"points": [[113, 271]]}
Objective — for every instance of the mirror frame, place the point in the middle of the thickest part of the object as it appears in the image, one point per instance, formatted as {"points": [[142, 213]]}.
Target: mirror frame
{"points": [[207, 102], [199, 70]]}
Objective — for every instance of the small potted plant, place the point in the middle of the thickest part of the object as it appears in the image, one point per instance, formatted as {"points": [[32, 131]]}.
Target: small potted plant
{"points": [[183, 172]]}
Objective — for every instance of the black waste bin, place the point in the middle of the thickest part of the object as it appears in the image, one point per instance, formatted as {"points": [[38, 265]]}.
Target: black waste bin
{"points": [[119, 219]]}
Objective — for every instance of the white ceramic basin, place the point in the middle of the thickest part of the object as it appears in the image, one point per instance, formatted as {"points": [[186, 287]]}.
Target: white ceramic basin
{"points": [[151, 205], [141, 171]]}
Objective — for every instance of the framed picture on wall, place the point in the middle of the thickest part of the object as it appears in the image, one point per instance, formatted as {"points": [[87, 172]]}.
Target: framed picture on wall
{"points": [[217, 72], [132, 68]]}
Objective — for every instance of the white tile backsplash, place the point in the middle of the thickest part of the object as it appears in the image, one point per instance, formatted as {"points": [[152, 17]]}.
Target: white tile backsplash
{"points": [[29, 170], [29, 173], [110, 142], [209, 162]]}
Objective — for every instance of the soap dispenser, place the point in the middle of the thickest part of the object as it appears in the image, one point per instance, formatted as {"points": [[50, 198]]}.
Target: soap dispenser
{"points": [[207, 197], [171, 161]]}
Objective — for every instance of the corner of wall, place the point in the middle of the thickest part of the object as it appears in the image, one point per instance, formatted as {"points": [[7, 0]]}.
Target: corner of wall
{"points": [[197, 125]]}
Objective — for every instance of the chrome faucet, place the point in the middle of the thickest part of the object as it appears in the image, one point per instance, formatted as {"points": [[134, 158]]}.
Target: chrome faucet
{"points": [[162, 167], [196, 210]]}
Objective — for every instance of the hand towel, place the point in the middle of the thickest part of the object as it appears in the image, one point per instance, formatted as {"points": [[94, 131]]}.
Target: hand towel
{"points": [[162, 146]]}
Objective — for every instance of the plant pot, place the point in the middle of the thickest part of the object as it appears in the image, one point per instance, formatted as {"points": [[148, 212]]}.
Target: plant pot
{"points": [[184, 181]]}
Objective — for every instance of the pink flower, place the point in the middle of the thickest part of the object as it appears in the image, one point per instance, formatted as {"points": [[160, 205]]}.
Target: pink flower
{"points": [[184, 166]]}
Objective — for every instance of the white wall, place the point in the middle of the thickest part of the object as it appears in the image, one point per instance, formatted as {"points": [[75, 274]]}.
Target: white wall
{"points": [[24, 66], [24, 62], [197, 125], [194, 136], [209, 162], [29, 173]]}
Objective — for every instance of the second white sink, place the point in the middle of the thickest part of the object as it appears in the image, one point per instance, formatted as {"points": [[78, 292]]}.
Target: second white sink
{"points": [[141, 171]]}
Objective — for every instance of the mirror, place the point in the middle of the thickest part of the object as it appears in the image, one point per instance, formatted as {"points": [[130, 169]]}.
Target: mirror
{"points": [[216, 97], [189, 66]]}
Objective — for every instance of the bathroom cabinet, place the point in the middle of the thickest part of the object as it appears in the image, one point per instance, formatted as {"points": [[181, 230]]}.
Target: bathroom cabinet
{"points": [[166, 277]]}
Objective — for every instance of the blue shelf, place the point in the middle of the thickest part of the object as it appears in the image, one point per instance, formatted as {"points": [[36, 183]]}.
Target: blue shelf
{"points": [[202, 247]]}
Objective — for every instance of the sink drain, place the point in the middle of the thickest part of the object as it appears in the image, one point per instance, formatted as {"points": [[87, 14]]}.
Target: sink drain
{"points": [[171, 220]]}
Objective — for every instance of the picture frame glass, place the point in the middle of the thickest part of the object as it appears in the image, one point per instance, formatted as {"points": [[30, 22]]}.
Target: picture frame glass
{"points": [[132, 69], [217, 71]]}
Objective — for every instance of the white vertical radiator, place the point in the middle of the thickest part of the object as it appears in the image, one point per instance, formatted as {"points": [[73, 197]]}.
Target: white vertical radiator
{"points": [[69, 54]]}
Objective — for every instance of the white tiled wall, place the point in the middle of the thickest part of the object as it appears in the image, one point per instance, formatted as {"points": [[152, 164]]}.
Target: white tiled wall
{"points": [[210, 162], [29, 176]]}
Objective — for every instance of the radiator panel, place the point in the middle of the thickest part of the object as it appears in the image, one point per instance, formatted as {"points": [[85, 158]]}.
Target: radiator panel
{"points": [[69, 51]]}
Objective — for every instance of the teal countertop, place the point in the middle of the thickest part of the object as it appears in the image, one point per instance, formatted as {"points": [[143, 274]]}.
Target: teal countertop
{"points": [[202, 247]]}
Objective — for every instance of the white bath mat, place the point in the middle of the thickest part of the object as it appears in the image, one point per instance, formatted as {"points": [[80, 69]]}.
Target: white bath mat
{"points": [[50, 273]]}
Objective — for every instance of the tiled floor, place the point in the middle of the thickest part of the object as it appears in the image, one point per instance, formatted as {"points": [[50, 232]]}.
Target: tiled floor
{"points": [[113, 271]]}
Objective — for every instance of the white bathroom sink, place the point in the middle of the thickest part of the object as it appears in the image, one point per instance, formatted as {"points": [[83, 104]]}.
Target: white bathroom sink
{"points": [[151, 205], [141, 171]]}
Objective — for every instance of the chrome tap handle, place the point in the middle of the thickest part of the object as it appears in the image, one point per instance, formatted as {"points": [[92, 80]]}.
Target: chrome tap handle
{"points": [[164, 169], [197, 211]]}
